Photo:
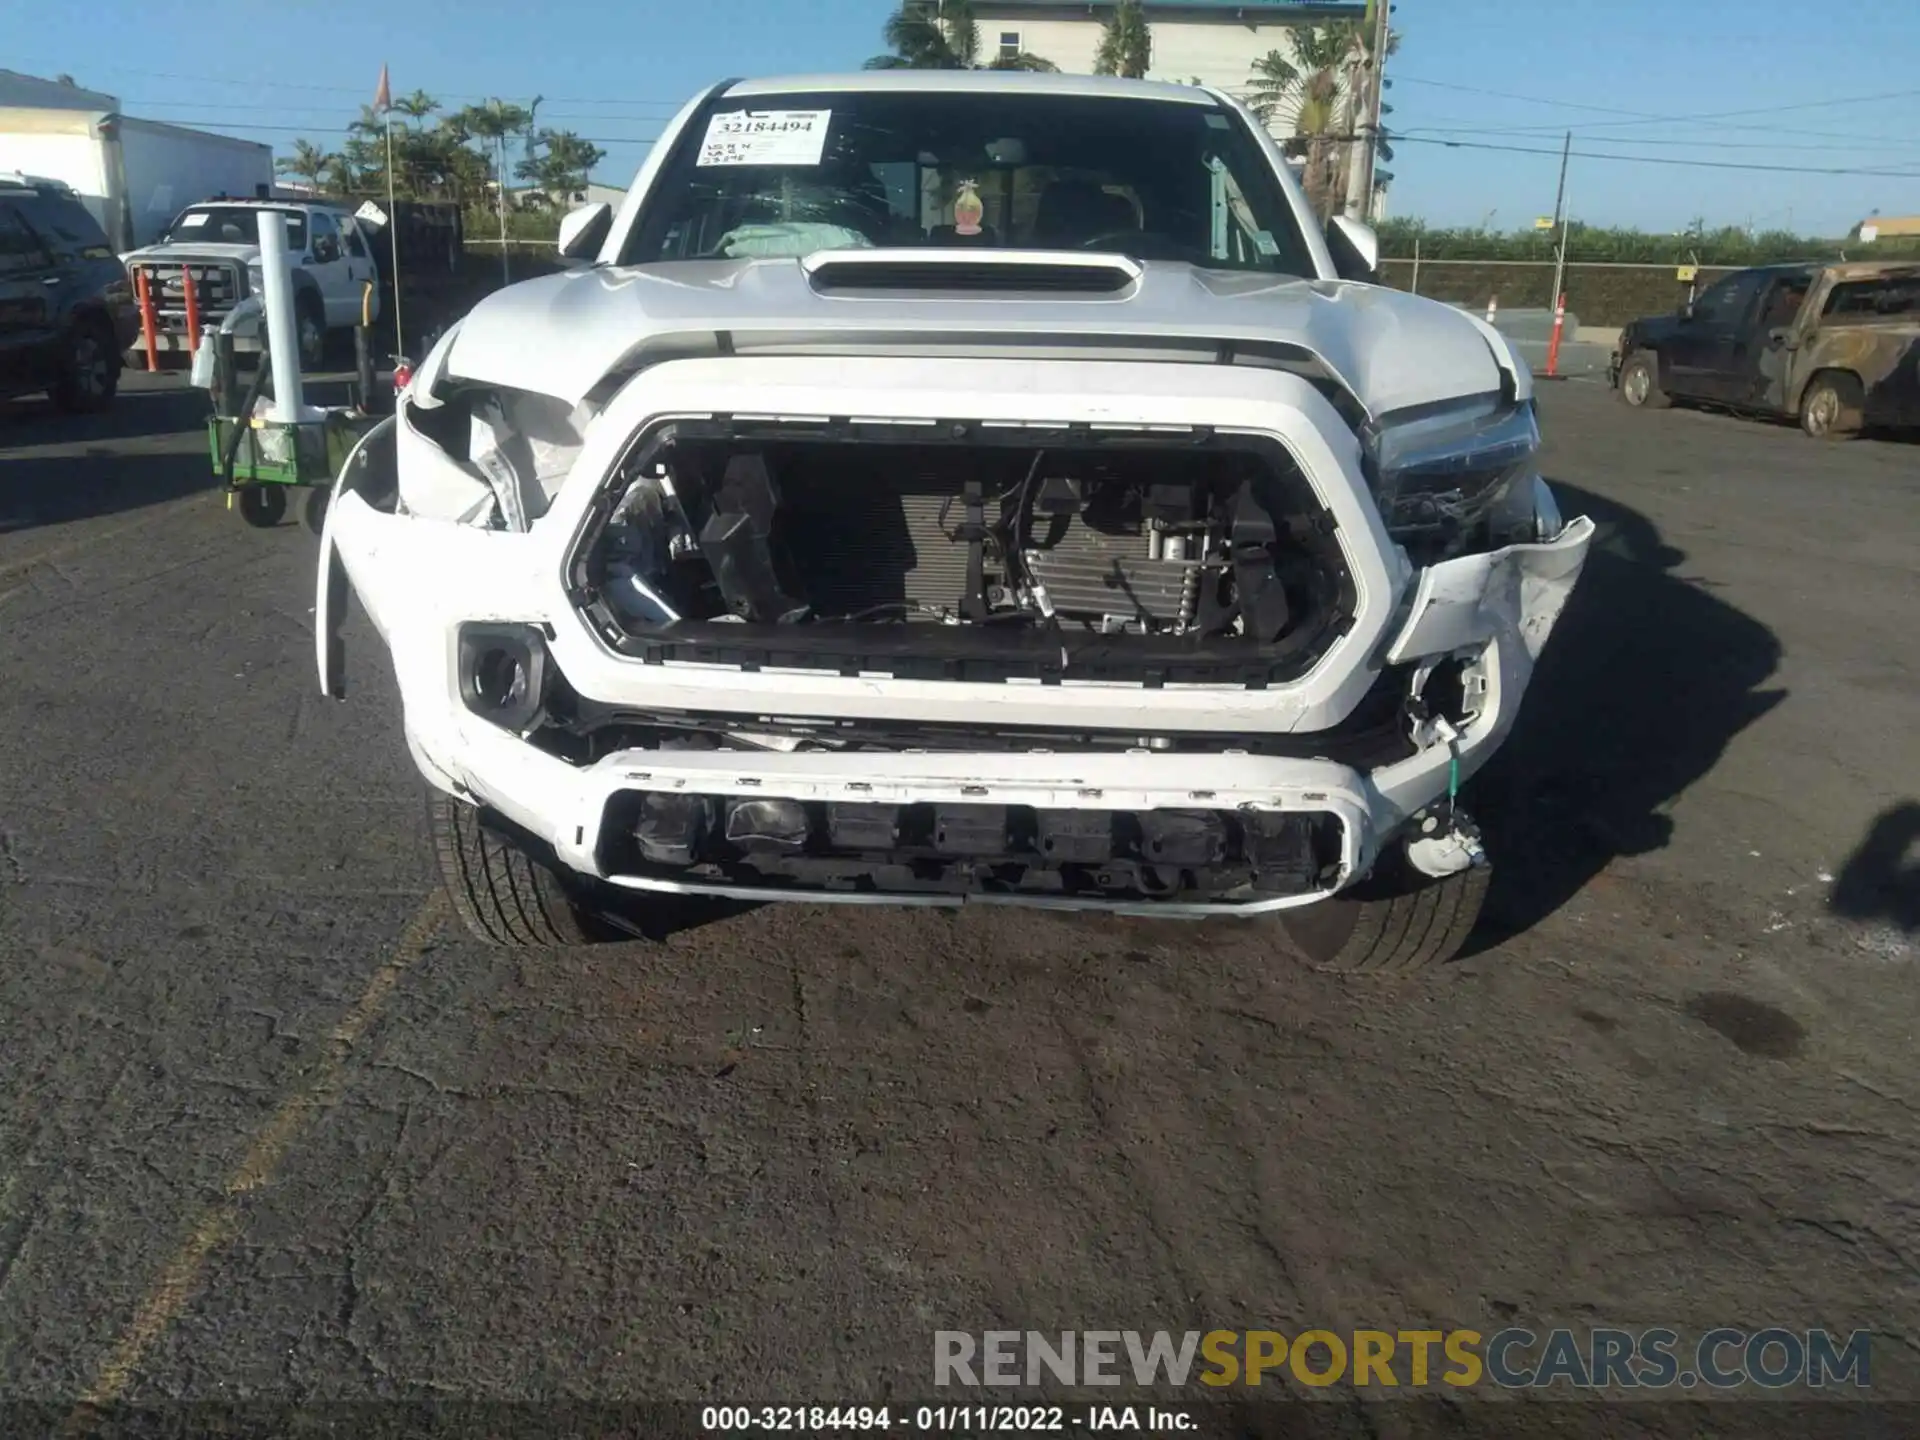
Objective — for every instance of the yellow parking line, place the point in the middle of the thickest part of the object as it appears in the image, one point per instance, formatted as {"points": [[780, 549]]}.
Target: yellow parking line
{"points": [[180, 1277]]}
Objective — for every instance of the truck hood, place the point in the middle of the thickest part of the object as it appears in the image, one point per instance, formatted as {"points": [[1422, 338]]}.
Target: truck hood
{"points": [[562, 334], [182, 250]]}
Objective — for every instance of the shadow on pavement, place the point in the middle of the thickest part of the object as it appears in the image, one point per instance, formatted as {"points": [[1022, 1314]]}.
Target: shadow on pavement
{"points": [[1645, 681], [56, 468], [1879, 882]]}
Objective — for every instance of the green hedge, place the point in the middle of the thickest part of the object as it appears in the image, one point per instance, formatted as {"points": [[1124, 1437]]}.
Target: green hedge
{"points": [[1598, 294]]}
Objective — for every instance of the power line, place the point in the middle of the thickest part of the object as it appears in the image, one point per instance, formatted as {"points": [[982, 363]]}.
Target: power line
{"points": [[336, 110], [1648, 117], [1659, 159], [311, 130], [1400, 79], [1714, 144], [278, 85]]}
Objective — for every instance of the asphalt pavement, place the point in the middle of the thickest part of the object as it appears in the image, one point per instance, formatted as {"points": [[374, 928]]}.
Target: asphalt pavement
{"points": [[270, 1127]]}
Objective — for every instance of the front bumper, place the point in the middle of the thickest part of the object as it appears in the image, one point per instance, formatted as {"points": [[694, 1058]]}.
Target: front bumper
{"points": [[422, 580]]}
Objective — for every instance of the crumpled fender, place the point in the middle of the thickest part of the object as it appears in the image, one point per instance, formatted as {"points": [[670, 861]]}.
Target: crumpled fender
{"points": [[1462, 603]]}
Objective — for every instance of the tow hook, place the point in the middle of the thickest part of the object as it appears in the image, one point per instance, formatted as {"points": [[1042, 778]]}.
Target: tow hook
{"points": [[1441, 848], [1449, 842]]}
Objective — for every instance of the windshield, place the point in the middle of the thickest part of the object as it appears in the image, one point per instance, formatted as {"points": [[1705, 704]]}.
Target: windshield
{"points": [[233, 225], [790, 174]]}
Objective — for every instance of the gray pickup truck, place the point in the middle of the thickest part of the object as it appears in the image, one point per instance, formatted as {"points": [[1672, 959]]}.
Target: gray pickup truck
{"points": [[1836, 347]]}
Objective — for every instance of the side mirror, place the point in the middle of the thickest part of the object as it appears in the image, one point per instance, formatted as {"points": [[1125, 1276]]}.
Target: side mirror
{"points": [[1355, 249], [584, 231]]}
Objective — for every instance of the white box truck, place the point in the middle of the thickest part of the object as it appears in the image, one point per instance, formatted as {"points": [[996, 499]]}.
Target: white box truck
{"points": [[133, 175]]}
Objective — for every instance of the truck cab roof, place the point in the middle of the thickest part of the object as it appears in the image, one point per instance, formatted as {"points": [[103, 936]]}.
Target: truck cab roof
{"points": [[44, 184], [255, 202]]}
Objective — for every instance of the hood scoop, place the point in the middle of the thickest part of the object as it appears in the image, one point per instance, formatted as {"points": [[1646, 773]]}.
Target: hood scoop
{"points": [[929, 273]]}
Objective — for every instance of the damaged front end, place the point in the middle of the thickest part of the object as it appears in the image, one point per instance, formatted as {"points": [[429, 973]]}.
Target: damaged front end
{"points": [[1170, 637], [974, 552]]}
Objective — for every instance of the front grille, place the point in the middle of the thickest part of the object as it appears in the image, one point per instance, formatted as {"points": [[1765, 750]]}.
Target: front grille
{"points": [[217, 287]]}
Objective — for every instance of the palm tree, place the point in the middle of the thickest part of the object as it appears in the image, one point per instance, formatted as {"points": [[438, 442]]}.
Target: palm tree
{"points": [[1126, 44], [495, 120], [942, 35], [308, 162], [339, 176], [416, 106], [1313, 87]]}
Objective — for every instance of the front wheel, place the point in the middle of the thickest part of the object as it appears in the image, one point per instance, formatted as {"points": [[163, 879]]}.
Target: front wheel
{"points": [[89, 370], [1640, 382], [310, 324], [502, 893], [1396, 921], [1833, 408]]}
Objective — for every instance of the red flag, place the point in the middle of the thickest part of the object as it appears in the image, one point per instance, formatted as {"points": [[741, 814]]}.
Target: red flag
{"points": [[383, 97]]}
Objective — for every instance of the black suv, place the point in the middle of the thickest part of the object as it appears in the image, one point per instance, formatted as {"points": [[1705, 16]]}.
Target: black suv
{"points": [[66, 308]]}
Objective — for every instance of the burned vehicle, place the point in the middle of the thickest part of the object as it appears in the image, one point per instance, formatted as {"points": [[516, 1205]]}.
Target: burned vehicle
{"points": [[939, 488], [1836, 347]]}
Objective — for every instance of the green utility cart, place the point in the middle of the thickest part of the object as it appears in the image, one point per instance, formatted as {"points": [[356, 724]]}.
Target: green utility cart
{"points": [[259, 459]]}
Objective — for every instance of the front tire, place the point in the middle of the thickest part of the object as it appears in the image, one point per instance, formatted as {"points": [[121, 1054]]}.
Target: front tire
{"points": [[503, 894], [1396, 921], [1640, 382], [89, 370], [310, 323], [1833, 407]]}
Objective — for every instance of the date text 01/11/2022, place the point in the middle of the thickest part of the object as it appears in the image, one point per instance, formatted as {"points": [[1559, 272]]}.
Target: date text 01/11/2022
{"points": [[943, 1419]]}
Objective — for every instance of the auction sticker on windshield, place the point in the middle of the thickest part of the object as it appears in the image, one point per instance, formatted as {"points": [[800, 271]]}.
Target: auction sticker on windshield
{"points": [[765, 137]]}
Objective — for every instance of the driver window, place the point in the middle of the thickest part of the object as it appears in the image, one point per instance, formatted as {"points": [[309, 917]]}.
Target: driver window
{"points": [[326, 238], [1713, 303], [1784, 301], [1726, 302], [356, 247]]}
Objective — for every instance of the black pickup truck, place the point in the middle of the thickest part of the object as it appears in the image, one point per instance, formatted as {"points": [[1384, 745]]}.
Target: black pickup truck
{"points": [[1835, 346]]}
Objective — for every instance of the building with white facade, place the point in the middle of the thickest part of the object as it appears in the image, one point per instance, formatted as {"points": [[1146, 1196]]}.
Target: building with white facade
{"points": [[1215, 42]]}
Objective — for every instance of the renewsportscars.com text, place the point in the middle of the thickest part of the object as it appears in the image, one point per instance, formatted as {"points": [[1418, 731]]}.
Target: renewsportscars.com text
{"points": [[1601, 1359]]}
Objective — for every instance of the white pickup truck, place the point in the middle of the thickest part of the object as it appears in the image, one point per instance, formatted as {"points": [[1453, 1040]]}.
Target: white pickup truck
{"points": [[218, 241], [936, 488]]}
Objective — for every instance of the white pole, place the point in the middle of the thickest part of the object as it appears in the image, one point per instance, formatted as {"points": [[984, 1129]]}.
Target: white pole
{"points": [[393, 237], [283, 340]]}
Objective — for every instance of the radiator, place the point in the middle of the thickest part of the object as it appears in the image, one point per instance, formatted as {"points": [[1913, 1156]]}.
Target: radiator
{"points": [[863, 546]]}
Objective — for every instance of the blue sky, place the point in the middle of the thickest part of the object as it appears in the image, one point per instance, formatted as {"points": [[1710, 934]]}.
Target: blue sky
{"points": [[1641, 77]]}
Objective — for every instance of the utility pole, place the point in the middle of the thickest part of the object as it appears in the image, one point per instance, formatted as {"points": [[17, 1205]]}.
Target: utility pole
{"points": [[1560, 222], [1381, 11], [1560, 196]]}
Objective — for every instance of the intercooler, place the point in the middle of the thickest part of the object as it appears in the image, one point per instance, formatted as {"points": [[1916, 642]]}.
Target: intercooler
{"points": [[863, 550]]}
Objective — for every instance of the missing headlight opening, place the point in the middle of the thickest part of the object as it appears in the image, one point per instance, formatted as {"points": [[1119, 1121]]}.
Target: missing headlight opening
{"points": [[973, 553]]}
